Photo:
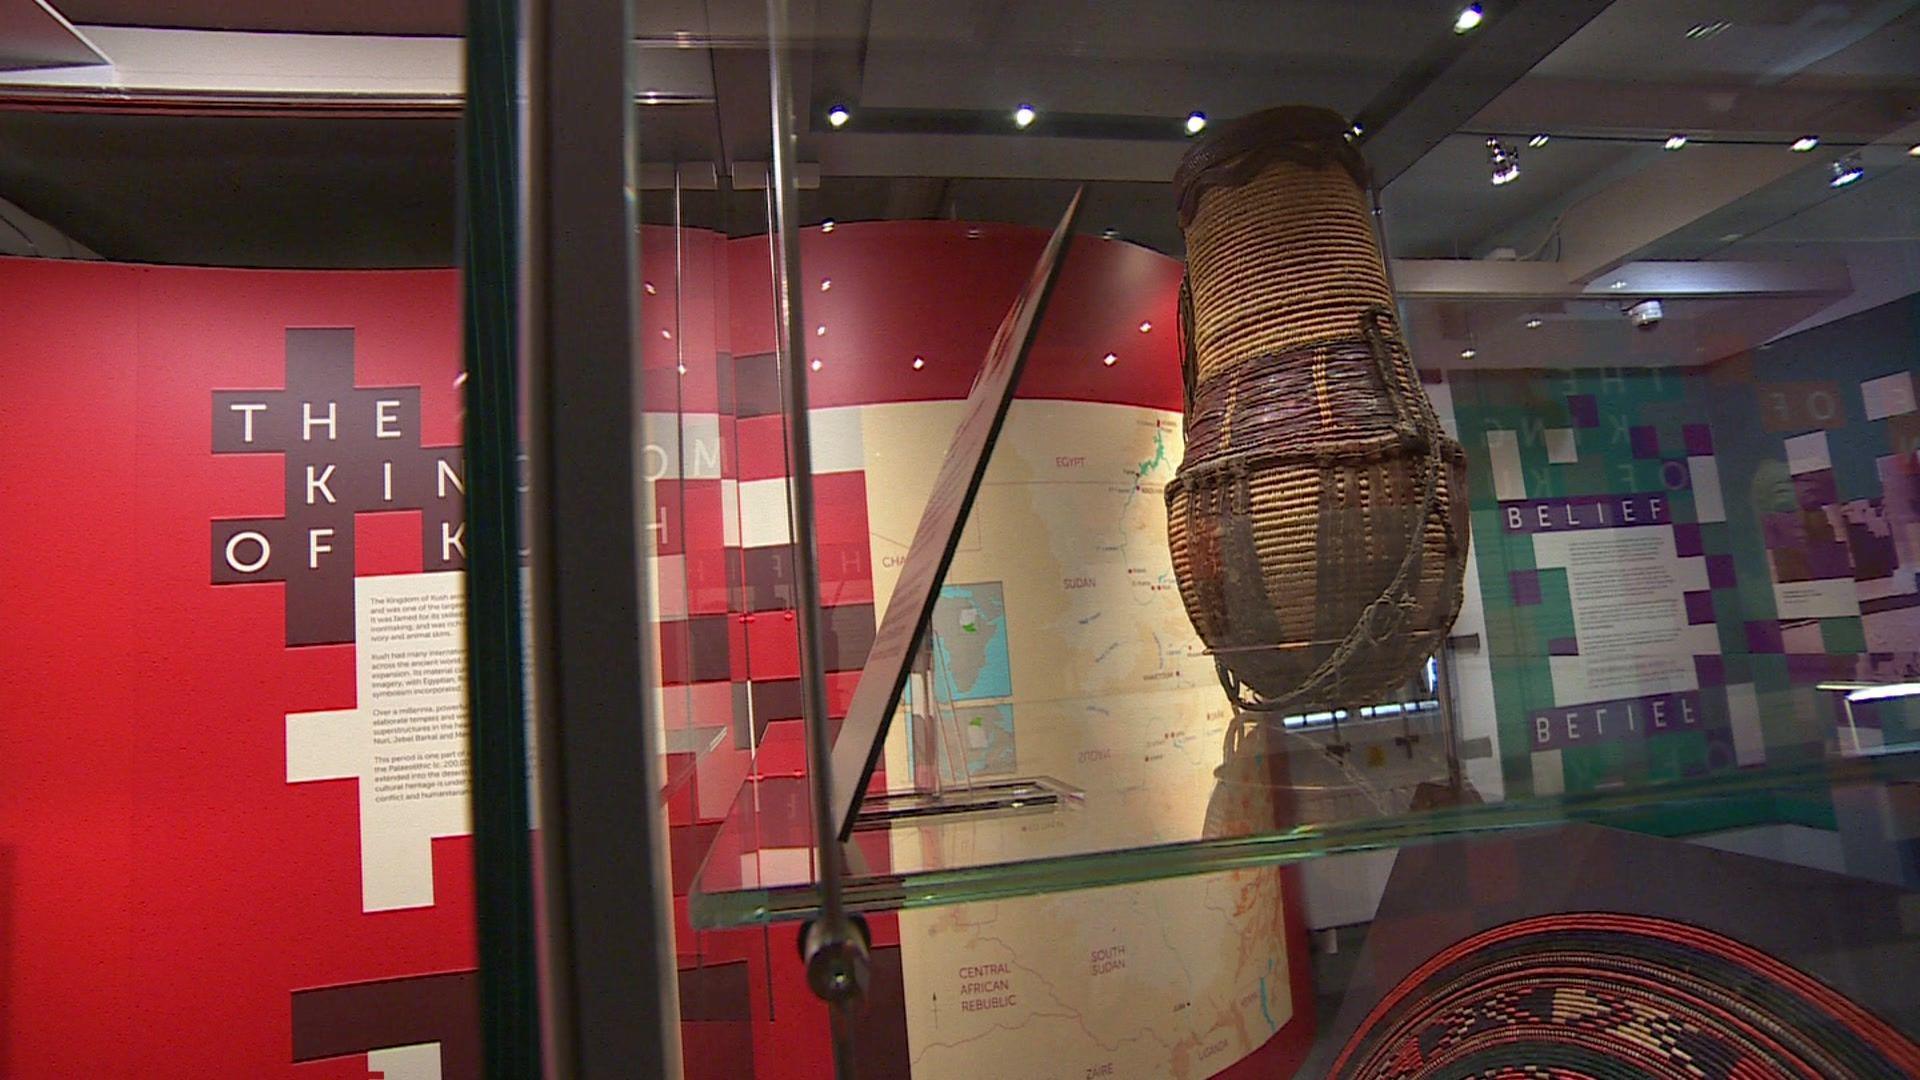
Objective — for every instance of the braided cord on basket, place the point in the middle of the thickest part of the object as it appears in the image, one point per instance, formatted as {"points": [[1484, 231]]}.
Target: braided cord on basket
{"points": [[1417, 427]]}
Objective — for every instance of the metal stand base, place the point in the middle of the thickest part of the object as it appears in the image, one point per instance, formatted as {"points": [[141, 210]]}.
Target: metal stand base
{"points": [[1037, 795]]}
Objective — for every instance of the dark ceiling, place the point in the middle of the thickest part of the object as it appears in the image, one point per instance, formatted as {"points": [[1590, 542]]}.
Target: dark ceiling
{"points": [[367, 191], [231, 191], [435, 18]]}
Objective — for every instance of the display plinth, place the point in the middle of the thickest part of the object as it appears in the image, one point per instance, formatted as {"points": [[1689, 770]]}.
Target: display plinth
{"points": [[760, 869]]}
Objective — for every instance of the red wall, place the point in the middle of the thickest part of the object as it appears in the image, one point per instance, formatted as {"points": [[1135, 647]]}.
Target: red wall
{"points": [[163, 890]]}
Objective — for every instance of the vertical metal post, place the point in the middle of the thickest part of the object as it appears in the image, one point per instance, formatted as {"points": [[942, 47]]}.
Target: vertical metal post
{"points": [[504, 916], [1443, 671], [835, 955], [609, 982]]}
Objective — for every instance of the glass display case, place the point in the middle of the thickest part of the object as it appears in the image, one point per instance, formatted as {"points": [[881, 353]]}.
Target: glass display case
{"points": [[947, 540], [1601, 554]]}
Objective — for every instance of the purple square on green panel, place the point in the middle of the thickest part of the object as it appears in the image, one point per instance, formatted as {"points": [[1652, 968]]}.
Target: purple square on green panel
{"points": [[1763, 636], [1806, 669], [1783, 531], [1829, 560], [1699, 607], [1676, 474], [1687, 541], [1711, 668], [1563, 646], [1699, 439], [1645, 441], [1813, 490], [1525, 585], [1583, 410], [1720, 572]]}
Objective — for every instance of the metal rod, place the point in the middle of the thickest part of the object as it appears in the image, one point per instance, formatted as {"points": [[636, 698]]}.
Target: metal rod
{"points": [[609, 995], [505, 919], [836, 961]]}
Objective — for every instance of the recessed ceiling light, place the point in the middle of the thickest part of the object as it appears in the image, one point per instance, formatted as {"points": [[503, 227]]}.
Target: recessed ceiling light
{"points": [[919, 362], [1504, 162], [1675, 142], [817, 364], [827, 225], [825, 284], [1701, 31], [1469, 17], [648, 286], [1196, 123], [683, 369], [1846, 171], [1539, 141], [820, 331], [1145, 326], [1110, 359], [838, 116], [1109, 234], [1468, 354], [1617, 283], [1805, 143], [1535, 324], [666, 333], [1914, 150], [1023, 116]]}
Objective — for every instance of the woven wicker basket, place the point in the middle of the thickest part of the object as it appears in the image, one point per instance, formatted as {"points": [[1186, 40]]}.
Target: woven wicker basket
{"points": [[1317, 523]]}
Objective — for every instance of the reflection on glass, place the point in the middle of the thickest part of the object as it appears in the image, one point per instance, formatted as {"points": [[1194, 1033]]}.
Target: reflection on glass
{"points": [[1675, 345]]}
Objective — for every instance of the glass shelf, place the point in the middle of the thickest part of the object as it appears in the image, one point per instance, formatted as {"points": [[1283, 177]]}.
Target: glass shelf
{"points": [[760, 868]]}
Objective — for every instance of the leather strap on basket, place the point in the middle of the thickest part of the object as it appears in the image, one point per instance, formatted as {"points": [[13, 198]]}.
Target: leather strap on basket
{"points": [[1219, 516], [1245, 594], [1189, 361]]}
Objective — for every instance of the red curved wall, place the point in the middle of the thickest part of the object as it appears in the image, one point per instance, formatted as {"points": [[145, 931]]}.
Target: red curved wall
{"points": [[164, 891]]}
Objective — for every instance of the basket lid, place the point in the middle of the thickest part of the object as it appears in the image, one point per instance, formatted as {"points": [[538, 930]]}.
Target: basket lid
{"points": [[1236, 151]]}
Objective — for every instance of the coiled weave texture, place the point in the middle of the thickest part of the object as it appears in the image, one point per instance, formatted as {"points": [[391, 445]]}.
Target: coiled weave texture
{"points": [[1317, 522]]}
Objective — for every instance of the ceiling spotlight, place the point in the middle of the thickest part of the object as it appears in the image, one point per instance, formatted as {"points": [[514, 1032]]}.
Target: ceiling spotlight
{"points": [[1109, 234], [827, 225], [1469, 17], [1675, 142], [1145, 326], [1846, 171], [1535, 324], [1196, 123], [648, 286], [682, 369], [1701, 31], [1805, 143], [820, 331], [919, 362], [1110, 359], [666, 333], [1358, 129], [1538, 141], [1914, 150], [1468, 354], [1504, 162], [1023, 116], [826, 284], [817, 364], [838, 116], [1617, 283]]}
